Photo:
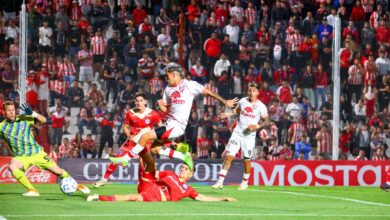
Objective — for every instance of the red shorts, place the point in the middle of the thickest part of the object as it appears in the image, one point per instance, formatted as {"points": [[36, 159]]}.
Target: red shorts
{"points": [[148, 189]]}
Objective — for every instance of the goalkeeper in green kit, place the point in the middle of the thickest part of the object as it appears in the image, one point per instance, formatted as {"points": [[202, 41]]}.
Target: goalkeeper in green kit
{"points": [[16, 131]]}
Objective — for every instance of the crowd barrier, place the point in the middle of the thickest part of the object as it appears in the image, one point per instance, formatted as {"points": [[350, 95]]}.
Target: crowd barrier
{"points": [[269, 173]]}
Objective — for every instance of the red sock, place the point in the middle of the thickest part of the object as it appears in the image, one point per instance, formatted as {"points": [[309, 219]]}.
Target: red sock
{"points": [[171, 152], [126, 148], [388, 177], [107, 198], [110, 170], [144, 151]]}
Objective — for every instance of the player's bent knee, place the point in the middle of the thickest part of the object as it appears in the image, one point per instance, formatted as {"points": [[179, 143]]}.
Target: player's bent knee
{"points": [[155, 150], [229, 158]]}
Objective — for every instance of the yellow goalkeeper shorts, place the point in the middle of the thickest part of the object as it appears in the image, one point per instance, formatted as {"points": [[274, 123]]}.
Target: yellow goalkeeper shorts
{"points": [[41, 160]]}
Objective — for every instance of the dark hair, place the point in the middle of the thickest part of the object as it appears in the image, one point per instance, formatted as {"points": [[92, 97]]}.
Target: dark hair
{"points": [[142, 94], [174, 67]]}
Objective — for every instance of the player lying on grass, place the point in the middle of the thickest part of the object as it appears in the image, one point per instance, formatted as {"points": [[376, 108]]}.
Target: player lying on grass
{"points": [[162, 186], [250, 111], [16, 131], [386, 186], [138, 121], [177, 103]]}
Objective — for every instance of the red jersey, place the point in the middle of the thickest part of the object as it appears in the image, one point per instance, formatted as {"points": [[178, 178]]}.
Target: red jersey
{"points": [[173, 188], [138, 121]]}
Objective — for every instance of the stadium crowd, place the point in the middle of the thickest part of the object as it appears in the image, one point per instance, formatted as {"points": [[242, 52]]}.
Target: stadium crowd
{"points": [[94, 55]]}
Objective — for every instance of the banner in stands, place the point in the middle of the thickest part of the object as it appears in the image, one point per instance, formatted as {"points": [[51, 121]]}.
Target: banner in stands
{"points": [[92, 170], [315, 173], [34, 174]]}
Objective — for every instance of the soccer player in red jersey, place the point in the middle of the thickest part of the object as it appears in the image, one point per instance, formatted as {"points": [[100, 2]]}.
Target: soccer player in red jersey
{"points": [[138, 121], [162, 187], [177, 102]]}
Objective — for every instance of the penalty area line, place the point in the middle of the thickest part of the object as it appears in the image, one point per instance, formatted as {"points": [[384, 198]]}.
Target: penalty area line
{"points": [[194, 214]]}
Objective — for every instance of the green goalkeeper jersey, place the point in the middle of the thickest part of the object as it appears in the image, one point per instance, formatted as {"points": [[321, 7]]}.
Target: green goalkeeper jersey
{"points": [[19, 136]]}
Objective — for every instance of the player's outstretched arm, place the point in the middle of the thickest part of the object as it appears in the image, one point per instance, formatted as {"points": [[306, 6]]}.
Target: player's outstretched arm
{"points": [[228, 103], [204, 198], [28, 111]]}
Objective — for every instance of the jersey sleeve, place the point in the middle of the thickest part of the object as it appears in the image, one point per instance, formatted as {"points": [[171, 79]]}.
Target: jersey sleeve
{"points": [[263, 111], [156, 118], [127, 118], [192, 193], [195, 88], [165, 96]]}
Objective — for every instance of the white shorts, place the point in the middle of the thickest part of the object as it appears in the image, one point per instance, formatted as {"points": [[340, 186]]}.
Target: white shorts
{"points": [[172, 131], [86, 74], [237, 141]]}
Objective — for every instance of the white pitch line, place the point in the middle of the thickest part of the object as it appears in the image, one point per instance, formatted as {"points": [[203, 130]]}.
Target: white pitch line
{"points": [[322, 196], [195, 214]]}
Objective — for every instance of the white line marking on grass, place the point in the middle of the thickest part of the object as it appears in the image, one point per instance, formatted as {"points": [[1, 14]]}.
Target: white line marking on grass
{"points": [[322, 196], [196, 214]]}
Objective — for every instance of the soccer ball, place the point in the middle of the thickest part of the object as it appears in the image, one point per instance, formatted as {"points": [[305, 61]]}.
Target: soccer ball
{"points": [[68, 185]]}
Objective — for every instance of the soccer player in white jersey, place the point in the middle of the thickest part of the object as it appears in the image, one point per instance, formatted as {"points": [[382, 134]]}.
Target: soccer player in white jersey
{"points": [[176, 102], [253, 116]]}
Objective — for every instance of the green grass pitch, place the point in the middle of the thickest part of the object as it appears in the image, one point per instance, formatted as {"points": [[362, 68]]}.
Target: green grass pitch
{"points": [[255, 203]]}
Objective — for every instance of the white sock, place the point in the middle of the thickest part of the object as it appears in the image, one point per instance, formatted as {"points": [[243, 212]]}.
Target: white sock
{"points": [[222, 175], [171, 153], [245, 178], [136, 149]]}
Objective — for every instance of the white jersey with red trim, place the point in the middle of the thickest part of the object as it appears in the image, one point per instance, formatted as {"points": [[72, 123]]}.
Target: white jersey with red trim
{"points": [[250, 114], [179, 100]]}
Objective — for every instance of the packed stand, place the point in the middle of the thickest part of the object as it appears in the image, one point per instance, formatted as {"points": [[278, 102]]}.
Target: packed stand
{"points": [[93, 56]]}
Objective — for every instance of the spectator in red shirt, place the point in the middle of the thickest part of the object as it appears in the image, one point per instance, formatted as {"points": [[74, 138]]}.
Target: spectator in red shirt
{"points": [[89, 147], [285, 152], [65, 149], [193, 11], [358, 15], [107, 124], [57, 123], [321, 84], [212, 48], [266, 94], [345, 62], [139, 14], [383, 33], [198, 72], [203, 145], [352, 30], [375, 121], [284, 93]]}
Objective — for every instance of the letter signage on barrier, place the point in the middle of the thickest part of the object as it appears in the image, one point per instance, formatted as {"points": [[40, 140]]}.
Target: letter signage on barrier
{"points": [[269, 173], [319, 173], [33, 173]]}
